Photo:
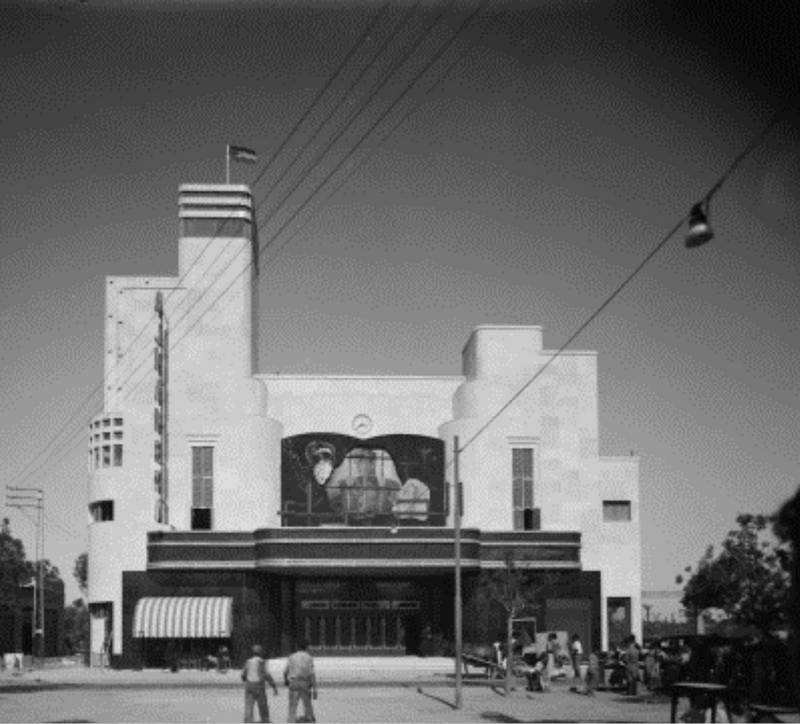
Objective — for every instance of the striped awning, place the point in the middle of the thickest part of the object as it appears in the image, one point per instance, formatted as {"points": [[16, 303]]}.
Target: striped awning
{"points": [[174, 617]]}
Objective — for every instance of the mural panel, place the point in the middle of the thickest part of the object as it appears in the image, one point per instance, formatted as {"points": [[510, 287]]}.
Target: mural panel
{"points": [[329, 478]]}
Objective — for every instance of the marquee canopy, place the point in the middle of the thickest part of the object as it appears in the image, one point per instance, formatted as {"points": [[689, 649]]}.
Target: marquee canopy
{"points": [[167, 617]]}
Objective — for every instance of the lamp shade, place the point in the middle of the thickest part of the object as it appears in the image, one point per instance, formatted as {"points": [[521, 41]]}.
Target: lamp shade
{"points": [[699, 229]]}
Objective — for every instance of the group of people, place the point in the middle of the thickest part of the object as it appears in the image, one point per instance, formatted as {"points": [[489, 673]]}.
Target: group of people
{"points": [[550, 662], [298, 675], [623, 662], [545, 664], [221, 662]]}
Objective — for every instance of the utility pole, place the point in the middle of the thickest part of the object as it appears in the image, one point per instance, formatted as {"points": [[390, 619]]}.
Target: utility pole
{"points": [[457, 510], [23, 498], [646, 628]]}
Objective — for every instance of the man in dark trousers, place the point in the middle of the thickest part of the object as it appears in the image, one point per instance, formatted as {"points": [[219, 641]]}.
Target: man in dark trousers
{"points": [[630, 657], [300, 678], [256, 676]]}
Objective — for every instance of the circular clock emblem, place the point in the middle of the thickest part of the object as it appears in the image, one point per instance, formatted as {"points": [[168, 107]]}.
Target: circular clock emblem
{"points": [[362, 424]]}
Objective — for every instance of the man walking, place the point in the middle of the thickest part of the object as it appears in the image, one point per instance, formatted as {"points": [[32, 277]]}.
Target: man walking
{"points": [[299, 677], [256, 676]]}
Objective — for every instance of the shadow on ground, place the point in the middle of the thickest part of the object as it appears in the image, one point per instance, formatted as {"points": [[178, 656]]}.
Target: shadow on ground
{"points": [[440, 699], [499, 717], [639, 699]]}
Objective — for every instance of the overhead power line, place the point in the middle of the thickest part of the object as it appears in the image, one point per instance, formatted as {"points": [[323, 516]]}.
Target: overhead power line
{"points": [[755, 142], [713, 189], [365, 36], [144, 359], [342, 162], [362, 39], [402, 119], [263, 247], [268, 217], [48, 451], [437, 56], [345, 96]]}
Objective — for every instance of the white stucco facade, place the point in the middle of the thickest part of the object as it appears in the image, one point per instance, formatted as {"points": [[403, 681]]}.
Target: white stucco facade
{"points": [[218, 399]]}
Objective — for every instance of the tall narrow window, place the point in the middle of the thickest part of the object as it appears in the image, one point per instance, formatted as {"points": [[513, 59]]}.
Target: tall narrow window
{"points": [[202, 487], [522, 493]]}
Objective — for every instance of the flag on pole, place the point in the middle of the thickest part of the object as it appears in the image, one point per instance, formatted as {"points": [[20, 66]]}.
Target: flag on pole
{"points": [[240, 153]]}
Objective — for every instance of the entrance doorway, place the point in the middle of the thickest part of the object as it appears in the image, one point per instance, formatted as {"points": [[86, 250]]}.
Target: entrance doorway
{"points": [[572, 615], [618, 612], [362, 616], [378, 627]]}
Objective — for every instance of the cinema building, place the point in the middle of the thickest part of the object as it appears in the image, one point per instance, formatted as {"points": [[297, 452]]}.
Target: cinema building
{"points": [[229, 507]]}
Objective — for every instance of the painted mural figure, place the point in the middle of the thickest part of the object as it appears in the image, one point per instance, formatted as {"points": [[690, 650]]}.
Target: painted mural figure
{"points": [[333, 478], [365, 483], [412, 501], [310, 495], [320, 456]]}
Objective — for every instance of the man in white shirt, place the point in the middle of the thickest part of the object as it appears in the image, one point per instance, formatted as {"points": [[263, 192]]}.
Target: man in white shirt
{"points": [[300, 678], [576, 654]]}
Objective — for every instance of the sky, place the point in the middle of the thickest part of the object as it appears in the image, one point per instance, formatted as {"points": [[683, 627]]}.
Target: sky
{"points": [[520, 187]]}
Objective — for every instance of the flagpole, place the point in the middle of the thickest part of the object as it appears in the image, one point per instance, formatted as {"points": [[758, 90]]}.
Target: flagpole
{"points": [[227, 164]]}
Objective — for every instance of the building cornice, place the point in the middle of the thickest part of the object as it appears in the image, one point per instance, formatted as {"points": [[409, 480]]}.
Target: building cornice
{"points": [[277, 376], [357, 548]]}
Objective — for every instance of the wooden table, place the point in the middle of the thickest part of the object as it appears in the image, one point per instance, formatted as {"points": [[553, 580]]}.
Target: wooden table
{"points": [[714, 692]]}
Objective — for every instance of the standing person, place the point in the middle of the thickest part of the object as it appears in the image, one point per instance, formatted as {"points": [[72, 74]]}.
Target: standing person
{"points": [[553, 650], [652, 666], [256, 676], [548, 661], [223, 660], [630, 658], [497, 649], [543, 670], [576, 654], [299, 677], [593, 674], [592, 678]]}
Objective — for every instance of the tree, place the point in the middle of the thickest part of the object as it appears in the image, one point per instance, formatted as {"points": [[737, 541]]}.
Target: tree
{"points": [[514, 590], [15, 569], [76, 625], [51, 572], [787, 528], [748, 579], [81, 573]]}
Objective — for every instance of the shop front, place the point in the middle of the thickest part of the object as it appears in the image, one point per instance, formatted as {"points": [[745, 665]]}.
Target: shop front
{"points": [[360, 591]]}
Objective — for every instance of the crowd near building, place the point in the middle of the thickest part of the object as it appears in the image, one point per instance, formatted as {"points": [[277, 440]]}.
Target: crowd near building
{"points": [[230, 506]]}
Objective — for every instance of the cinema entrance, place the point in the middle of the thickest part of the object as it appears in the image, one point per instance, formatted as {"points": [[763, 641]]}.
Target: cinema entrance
{"points": [[365, 617]]}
